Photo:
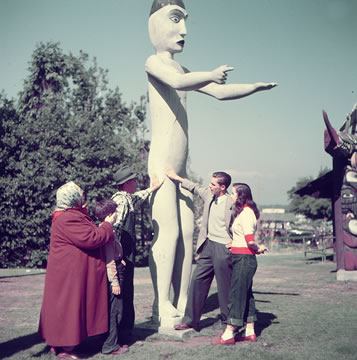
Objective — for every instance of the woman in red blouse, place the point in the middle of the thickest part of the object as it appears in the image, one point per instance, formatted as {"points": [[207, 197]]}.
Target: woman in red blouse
{"points": [[244, 248]]}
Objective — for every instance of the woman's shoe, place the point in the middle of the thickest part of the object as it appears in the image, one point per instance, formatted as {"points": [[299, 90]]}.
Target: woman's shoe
{"points": [[220, 341], [251, 338], [66, 355]]}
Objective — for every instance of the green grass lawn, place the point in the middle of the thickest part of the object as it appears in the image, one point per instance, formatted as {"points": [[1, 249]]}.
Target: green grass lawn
{"points": [[303, 313]]}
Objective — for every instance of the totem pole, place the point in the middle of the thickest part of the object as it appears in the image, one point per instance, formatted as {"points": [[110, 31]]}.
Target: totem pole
{"points": [[342, 146]]}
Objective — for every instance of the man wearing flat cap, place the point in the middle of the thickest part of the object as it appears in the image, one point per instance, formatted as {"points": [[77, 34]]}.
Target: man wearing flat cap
{"points": [[128, 199]]}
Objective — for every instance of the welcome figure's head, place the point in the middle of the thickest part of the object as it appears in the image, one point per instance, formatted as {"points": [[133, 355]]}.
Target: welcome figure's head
{"points": [[167, 26]]}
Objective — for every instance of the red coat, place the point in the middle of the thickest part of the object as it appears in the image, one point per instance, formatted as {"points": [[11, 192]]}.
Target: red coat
{"points": [[75, 300]]}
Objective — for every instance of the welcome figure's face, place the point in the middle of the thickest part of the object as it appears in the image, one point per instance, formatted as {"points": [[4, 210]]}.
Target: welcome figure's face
{"points": [[167, 29]]}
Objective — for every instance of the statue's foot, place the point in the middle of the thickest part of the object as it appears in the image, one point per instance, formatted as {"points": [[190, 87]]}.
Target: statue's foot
{"points": [[166, 309], [180, 313], [181, 305]]}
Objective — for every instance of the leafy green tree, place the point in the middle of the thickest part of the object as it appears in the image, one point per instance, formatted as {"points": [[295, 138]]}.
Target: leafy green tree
{"points": [[65, 126], [307, 205]]}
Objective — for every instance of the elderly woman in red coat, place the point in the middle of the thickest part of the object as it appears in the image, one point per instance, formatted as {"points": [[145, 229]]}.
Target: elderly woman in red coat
{"points": [[75, 296]]}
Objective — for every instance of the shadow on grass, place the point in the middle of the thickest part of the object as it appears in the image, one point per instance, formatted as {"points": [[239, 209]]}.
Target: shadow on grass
{"points": [[264, 319], [212, 304], [274, 293], [21, 343], [315, 259], [144, 330], [19, 275], [93, 345], [88, 348]]}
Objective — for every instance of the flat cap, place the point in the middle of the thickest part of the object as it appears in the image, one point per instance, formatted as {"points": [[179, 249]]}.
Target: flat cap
{"points": [[123, 175]]}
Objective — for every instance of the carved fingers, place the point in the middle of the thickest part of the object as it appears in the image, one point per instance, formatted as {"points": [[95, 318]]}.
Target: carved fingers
{"points": [[266, 86], [219, 75]]}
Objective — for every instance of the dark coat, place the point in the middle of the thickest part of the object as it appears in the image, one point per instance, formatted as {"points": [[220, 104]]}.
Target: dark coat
{"points": [[75, 300]]}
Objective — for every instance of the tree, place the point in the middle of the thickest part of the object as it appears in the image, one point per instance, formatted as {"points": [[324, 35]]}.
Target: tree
{"points": [[307, 205], [66, 126]]}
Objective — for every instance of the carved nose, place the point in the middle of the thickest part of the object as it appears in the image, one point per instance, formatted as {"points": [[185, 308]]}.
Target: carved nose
{"points": [[183, 31]]}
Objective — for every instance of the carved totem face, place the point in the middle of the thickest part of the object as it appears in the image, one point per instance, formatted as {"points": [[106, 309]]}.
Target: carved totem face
{"points": [[348, 193], [167, 29]]}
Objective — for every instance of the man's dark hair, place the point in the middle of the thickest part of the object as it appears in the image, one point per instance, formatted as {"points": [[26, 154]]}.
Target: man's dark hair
{"points": [[104, 208], [222, 178]]}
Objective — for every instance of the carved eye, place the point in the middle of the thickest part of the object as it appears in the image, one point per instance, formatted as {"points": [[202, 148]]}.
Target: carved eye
{"points": [[176, 19]]}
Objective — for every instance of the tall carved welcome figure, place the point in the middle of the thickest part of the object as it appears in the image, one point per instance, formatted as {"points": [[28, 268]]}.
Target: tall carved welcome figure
{"points": [[172, 206]]}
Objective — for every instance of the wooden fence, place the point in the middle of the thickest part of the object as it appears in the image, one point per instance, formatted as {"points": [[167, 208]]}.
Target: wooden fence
{"points": [[322, 244]]}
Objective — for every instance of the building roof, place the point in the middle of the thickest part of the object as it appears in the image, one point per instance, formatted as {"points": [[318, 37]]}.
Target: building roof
{"points": [[320, 188], [277, 217]]}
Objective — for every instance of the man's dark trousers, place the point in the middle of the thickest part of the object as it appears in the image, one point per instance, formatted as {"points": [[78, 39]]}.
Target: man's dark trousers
{"points": [[214, 260], [128, 240]]}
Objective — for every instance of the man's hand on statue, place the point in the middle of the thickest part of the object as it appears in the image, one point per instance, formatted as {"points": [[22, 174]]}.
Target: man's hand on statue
{"points": [[155, 182], [219, 75], [170, 172], [111, 218], [229, 245], [116, 290]]}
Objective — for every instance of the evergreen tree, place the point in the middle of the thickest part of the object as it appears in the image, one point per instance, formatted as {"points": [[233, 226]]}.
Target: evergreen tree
{"points": [[307, 205]]}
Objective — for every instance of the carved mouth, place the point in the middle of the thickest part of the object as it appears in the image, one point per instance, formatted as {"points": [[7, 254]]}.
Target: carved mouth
{"points": [[181, 42]]}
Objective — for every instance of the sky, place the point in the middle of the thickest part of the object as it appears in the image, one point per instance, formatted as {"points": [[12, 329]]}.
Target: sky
{"points": [[268, 140]]}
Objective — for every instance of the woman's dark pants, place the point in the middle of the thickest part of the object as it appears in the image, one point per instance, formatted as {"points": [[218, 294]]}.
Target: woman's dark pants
{"points": [[241, 300]]}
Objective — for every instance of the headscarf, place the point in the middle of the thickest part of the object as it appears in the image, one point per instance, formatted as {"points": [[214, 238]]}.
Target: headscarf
{"points": [[68, 196]]}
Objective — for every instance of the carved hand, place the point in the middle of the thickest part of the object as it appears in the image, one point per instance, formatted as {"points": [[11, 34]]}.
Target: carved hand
{"points": [[219, 75], [265, 86]]}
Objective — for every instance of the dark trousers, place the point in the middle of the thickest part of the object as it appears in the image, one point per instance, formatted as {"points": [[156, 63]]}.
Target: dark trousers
{"points": [[214, 260], [115, 313], [128, 317], [241, 300]]}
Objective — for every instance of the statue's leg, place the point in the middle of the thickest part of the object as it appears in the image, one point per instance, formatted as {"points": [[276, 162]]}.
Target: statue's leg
{"points": [[184, 252], [162, 255]]}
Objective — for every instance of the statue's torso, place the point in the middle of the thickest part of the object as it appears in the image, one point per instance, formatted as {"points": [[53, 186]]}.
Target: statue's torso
{"points": [[169, 143]]}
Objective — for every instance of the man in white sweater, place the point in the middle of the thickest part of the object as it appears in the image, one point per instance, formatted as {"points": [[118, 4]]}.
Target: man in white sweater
{"points": [[214, 259]]}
